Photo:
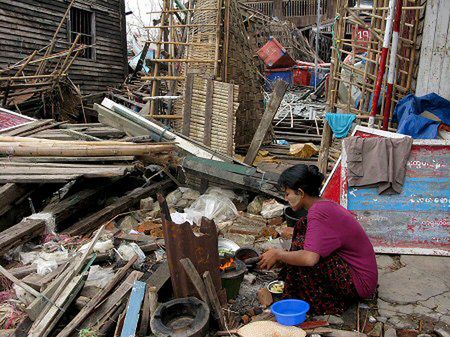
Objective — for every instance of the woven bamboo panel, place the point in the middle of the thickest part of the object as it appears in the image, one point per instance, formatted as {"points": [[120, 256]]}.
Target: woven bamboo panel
{"points": [[206, 33], [236, 57], [220, 120]]}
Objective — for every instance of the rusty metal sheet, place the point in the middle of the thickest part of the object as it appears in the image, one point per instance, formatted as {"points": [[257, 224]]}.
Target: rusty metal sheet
{"points": [[202, 250]]}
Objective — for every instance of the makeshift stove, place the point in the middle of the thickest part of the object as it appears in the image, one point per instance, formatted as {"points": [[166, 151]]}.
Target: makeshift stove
{"points": [[183, 317], [232, 274]]}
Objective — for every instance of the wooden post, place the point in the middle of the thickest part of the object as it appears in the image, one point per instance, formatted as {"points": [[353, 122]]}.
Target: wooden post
{"points": [[208, 112], [324, 147], [279, 90], [214, 300], [230, 120], [278, 9], [188, 104], [195, 278]]}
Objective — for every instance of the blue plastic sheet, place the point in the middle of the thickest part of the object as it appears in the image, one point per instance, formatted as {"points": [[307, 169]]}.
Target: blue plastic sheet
{"points": [[408, 110]]}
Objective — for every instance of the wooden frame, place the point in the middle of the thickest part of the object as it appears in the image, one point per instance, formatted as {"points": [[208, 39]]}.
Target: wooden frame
{"points": [[93, 34]]}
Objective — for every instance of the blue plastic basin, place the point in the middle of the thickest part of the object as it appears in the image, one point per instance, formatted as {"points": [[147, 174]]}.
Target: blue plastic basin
{"points": [[290, 312]]}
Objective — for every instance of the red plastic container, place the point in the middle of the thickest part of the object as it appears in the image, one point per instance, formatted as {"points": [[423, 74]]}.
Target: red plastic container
{"points": [[302, 75], [274, 55]]}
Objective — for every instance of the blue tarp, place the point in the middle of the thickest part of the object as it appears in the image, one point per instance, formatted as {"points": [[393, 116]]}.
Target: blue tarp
{"points": [[408, 110]]}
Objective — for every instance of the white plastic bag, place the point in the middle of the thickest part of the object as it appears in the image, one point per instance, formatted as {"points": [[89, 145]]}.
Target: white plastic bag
{"points": [[214, 206], [128, 250], [99, 277], [28, 257], [272, 209], [99, 247], [44, 267]]}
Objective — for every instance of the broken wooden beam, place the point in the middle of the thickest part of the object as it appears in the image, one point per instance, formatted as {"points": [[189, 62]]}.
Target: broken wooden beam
{"points": [[266, 121], [24, 231], [100, 296], [119, 206]]}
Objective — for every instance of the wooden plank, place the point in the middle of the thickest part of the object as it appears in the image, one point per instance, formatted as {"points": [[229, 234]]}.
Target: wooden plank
{"points": [[112, 302], [216, 171], [70, 159], [145, 319], [100, 296], [133, 309], [440, 49], [51, 318], [208, 112], [426, 52], [86, 171], [38, 179], [187, 104], [195, 278], [20, 283], [275, 100], [37, 306], [181, 141], [64, 280], [120, 205], [214, 300], [21, 272], [119, 325], [230, 120], [159, 277], [28, 127], [9, 194], [22, 232], [325, 148]]}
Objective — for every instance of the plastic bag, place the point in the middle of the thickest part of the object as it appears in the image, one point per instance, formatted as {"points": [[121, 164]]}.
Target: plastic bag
{"points": [[271, 209], [99, 247], [28, 257], [44, 267], [173, 197], [214, 206], [180, 218], [189, 193], [128, 250], [99, 277]]}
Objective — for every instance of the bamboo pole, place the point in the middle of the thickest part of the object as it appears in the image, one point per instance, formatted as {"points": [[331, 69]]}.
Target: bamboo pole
{"points": [[15, 149], [157, 56], [217, 44], [49, 50]]}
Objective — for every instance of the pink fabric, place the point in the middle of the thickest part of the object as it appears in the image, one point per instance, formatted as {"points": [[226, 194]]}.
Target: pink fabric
{"points": [[332, 228]]}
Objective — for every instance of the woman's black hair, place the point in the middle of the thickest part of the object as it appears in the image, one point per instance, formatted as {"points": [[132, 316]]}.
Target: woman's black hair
{"points": [[301, 176]]}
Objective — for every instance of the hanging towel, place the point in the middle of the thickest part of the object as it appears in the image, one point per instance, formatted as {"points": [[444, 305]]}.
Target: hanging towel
{"points": [[378, 162], [340, 123]]}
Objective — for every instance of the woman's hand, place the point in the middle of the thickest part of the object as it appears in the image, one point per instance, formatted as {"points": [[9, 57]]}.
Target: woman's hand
{"points": [[269, 258]]}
